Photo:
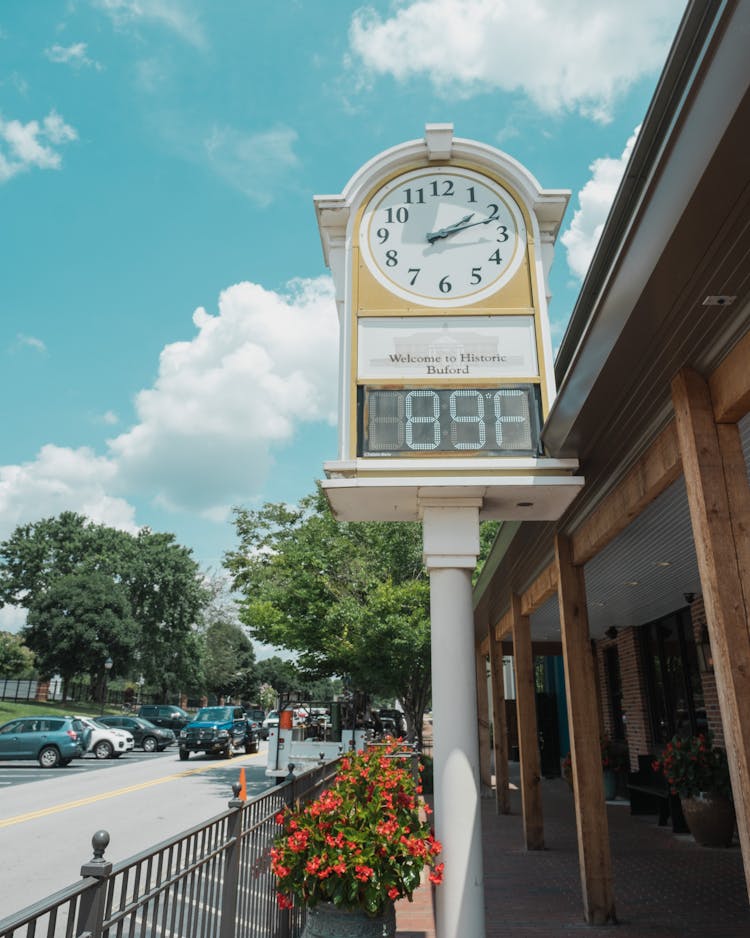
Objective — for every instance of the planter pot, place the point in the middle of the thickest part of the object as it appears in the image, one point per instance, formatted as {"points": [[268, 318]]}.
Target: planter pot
{"points": [[610, 784], [710, 819], [325, 920]]}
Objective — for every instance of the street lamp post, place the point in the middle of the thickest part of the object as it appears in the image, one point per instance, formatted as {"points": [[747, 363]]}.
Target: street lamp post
{"points": [[107, 668]]}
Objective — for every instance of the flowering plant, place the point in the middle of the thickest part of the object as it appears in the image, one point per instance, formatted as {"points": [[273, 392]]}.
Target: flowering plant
{"points": [[614, 758], [614, 755], [692, 765], [362, 842]]}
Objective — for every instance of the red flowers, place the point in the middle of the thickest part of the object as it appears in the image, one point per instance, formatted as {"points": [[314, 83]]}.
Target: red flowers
{"points": [[363, 842]]}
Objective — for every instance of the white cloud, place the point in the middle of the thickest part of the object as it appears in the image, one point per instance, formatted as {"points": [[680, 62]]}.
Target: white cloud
{"points": [[31, 341], [595, 199], [564, 55], [110, 418], [73, 55], [206, 431], [178, 16], [252, 163], [61, 479], [221, 402], [25, 146]]}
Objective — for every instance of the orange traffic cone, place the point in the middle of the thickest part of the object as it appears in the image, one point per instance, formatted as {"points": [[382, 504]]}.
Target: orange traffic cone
{"points": [[243, 786]]}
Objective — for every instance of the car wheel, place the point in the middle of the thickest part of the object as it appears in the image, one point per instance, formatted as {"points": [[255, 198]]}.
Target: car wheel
{"points": [[103, 749], [184, 756], [251, 747], [149, 744], [49, 757], [228, 752]]}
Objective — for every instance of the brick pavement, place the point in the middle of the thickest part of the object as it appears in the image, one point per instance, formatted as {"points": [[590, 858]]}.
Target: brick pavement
{"points": [[666, 886]]}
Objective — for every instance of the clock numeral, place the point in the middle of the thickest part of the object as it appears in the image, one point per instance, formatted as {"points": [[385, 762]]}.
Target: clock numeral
{"points": [[414, 271], [476, 275], [419, 196], [391, 258], [503, 233], [447, 187], [445, 285], [496, 257], [382, 234], [472, 196], [494, 211], [401, 215]]}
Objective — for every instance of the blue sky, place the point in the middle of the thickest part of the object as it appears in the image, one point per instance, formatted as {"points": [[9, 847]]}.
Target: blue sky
{"points": [[167, 326]]}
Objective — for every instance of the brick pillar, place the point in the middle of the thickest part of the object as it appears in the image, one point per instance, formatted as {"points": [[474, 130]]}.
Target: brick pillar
{"points": [[42, 691]]}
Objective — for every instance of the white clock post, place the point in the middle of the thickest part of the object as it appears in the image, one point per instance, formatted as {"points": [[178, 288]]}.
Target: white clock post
{"points": [[440, 251]]}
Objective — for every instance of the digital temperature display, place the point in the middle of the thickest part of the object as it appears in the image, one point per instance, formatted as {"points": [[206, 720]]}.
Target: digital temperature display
{"points": [[499, 421]]}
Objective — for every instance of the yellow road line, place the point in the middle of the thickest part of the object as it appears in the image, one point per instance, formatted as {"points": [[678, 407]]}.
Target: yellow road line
{"points": [[54, 809]]}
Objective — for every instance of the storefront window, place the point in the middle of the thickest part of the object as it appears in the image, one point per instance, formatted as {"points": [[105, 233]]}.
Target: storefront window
{"points": [[670, 662]]}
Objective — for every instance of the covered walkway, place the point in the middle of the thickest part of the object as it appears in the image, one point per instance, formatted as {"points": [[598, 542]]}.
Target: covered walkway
{"points": [[665, 885]]}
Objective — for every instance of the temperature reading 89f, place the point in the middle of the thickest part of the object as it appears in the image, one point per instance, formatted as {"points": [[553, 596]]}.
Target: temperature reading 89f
{"points": [[488, 421]]}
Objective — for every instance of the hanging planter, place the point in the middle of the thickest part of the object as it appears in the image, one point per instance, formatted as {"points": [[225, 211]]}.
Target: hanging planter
{"points": [[325, 920], [348, 855]]}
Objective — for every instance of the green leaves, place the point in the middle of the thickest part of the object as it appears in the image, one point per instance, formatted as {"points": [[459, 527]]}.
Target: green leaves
{"points": [[345, 598]]}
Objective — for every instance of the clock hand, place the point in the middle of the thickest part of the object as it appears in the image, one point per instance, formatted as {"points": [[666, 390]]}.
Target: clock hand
{"points": [[433, 236]]}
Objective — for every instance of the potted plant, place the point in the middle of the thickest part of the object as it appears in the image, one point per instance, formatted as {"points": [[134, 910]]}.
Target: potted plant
{"points": [[357, 848], [614, 757], [698, 772]]}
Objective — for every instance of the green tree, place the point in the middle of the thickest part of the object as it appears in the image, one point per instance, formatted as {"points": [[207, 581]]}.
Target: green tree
{"points": [[78, 622], [229, 661], [347, 599], [162, 583], [167, 593], [16, 658]]}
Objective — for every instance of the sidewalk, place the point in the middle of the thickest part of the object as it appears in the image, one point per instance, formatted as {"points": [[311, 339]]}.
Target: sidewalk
{"points": [[665, 885]]}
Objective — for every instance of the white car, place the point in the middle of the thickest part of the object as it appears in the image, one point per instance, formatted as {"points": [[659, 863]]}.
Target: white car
{"points": [[271, 722], [106, 742]]}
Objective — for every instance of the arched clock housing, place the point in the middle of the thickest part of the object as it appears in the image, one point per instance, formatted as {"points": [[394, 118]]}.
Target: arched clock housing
{"points": [[440, 251], [442, 237]]}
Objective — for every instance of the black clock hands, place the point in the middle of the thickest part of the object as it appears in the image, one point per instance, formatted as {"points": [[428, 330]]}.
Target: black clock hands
{"points": [[465, 222]]}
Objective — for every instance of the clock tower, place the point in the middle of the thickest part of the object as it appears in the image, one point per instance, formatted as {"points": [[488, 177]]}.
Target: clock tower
{"points": [[440, 251]]}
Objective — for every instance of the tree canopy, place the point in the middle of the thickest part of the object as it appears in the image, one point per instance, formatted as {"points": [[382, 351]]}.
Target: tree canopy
{"points": [[349, 599], [153, 582]]}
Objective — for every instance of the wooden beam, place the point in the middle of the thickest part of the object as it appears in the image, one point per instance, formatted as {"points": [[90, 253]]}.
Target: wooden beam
{"points": [[543, 587], [483, 719], [528, 739], [719, 501], [730, 384], [500, 725], [647, 478], [594, 857]]}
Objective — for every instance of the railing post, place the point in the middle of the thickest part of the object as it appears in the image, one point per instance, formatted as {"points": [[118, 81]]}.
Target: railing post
{"points": [[91, 908], [232, 866]]}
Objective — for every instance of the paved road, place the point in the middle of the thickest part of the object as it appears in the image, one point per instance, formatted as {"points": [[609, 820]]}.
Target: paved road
{"points": [[47, 817]]}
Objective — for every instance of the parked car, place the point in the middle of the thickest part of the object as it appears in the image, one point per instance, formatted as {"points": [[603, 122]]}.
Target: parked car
{"points": [[256, 716], [167, 715], [148, 737], [106, 742], [271, 720], [51, 740], [218, 730]]}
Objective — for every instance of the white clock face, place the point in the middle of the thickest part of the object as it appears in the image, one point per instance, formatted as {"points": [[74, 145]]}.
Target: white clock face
{"points": [[442, 237]]}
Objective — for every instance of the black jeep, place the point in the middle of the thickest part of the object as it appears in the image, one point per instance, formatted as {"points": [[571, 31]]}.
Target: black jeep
{"points": [[218, 731]]}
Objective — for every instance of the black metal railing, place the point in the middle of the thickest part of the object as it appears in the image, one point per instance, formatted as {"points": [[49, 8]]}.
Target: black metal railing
{"points": [[212, 881]]}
